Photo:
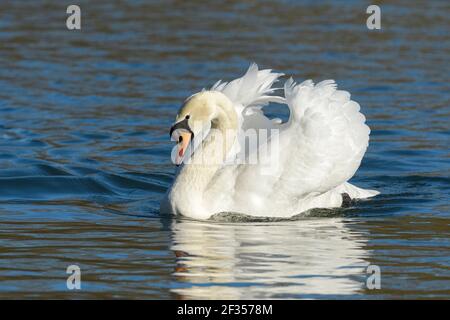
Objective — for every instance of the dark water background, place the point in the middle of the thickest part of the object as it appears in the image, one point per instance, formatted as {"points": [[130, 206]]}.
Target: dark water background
{"points": [[84, 149]]}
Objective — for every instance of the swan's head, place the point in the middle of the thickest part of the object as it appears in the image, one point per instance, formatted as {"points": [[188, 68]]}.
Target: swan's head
{"points": [[195, 118]]}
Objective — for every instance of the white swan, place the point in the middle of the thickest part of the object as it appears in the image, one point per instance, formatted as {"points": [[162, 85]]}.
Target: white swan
{"points": [[310, 158]]}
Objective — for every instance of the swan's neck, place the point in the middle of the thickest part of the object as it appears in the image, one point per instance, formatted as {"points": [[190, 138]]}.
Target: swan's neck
{"points": [[211, 154], [194, 177]]}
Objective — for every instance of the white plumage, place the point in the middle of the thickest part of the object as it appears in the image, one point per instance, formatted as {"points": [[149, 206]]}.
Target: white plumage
{"points": [[317, 150]]}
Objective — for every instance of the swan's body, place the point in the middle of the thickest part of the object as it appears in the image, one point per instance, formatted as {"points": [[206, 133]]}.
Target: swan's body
{"points": [[312, 157]]}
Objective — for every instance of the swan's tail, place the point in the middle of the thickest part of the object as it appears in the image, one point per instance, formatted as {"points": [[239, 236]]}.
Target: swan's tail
{"points": [[355, 192]]}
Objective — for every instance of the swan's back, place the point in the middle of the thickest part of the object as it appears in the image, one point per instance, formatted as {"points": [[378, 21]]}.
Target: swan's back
{"points": [[320, 149]]}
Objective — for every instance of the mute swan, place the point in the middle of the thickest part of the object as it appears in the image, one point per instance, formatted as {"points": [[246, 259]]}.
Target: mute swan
{"points": [[306, 163]]}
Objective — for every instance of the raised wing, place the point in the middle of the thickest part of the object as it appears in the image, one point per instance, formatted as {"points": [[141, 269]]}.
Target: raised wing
{"points": [[318, 149], [326, 138], [249, 94]]}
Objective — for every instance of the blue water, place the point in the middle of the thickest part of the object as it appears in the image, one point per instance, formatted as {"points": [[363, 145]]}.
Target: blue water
{"points": [[85, 152]]}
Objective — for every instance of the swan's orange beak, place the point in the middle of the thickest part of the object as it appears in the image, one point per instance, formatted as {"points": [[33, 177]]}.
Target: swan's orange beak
{"points": [[183, 143], [182, 133]]}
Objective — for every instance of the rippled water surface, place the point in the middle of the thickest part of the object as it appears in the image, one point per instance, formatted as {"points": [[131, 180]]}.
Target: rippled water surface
{"points": [[84, 149]]}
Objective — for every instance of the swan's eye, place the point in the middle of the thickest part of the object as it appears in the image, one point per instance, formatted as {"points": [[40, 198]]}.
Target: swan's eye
{"points": [[180, 139], [187, 117]]}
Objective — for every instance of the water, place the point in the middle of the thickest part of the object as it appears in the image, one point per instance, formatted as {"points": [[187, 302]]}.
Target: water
{"points": [[84, 150]]}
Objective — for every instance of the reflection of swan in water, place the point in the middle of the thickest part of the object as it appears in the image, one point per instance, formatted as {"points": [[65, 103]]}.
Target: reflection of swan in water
{"points": [[293, 259]]}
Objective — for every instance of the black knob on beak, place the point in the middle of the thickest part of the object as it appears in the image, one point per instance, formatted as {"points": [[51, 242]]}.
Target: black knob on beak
{"points": [[181, 125]]}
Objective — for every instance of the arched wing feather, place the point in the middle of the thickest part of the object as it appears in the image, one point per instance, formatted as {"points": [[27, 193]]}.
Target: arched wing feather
{"points": [[326, 138]]}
